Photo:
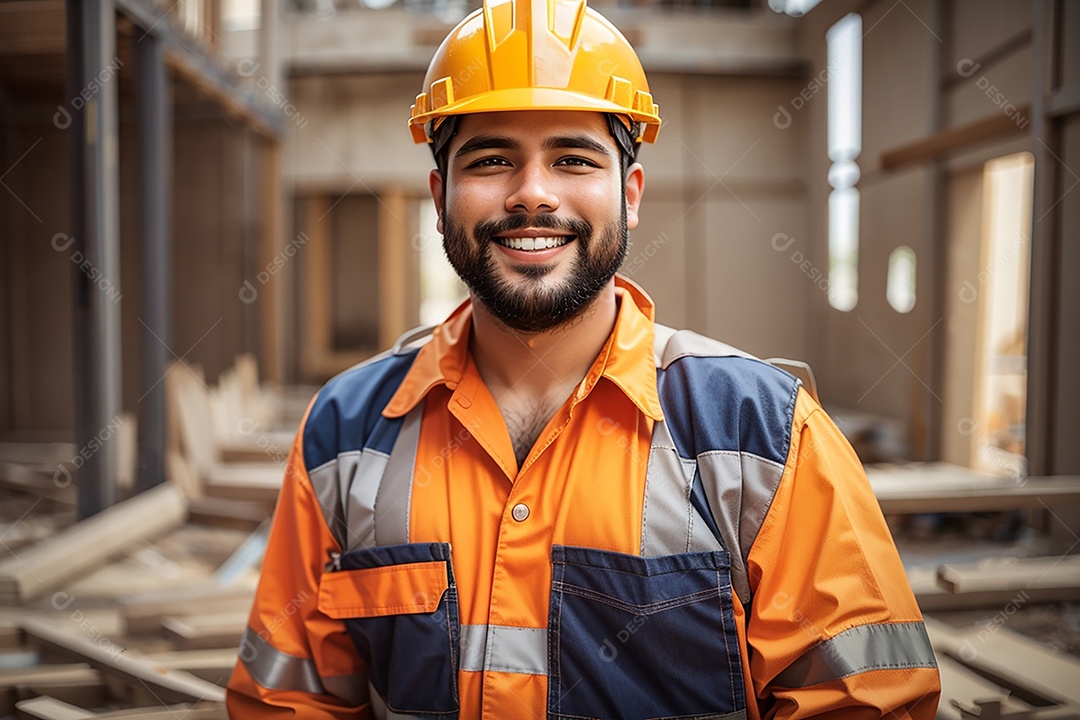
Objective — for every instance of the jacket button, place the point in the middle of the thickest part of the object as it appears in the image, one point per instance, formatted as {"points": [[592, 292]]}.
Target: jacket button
{"points": [[520, 512]]}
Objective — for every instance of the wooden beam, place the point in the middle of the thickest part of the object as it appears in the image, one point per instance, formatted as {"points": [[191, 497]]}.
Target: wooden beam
{"points": [[1026, 575], [393, 259], [955, 139], [316, 289], [940, 487], [128, 666], [271, 306], [53, 562], [205, 70]]}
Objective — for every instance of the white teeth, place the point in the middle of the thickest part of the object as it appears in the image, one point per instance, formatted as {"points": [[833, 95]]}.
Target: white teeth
{"points": [[540, 243]]}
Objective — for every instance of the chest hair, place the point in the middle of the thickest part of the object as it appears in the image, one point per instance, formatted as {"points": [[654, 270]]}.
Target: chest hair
{"points": [[525, 420]]}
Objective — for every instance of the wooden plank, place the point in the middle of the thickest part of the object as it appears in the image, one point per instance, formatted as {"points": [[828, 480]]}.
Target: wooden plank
{"points": [[47, 708], [214, 665], [1025, 574], [32, 27], [202, 711], [941, 487], [962, 685], [40, 453], [186, 391], [143, 613], [39, 481], [1018, 662], [77, 683], [128, 666], [258, 483], [225, 512], [205, 631], [955, 139], [52, 562]]}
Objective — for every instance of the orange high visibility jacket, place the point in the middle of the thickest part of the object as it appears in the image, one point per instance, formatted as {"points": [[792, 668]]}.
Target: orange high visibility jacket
{"points": [[690, 536]]}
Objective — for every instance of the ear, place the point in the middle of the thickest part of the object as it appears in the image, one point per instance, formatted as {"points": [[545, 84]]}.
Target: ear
{"points": [[635, 188], [438, 194]]}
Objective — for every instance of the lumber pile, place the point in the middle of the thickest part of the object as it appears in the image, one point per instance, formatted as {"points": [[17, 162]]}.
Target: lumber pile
{"points": [[225, 441], [990, 671], [29, 573], [166, 653]]}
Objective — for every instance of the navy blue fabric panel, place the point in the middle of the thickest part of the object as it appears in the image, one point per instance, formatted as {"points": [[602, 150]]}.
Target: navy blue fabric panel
{"points": [[728, 403], [348, 408], [654, 637], [412, 658]]}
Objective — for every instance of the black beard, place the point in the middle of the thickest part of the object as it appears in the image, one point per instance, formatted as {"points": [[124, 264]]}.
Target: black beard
{"points": [[527, 306]]}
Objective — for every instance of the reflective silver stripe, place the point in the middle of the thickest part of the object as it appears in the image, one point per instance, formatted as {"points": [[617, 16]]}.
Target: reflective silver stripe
{"points": [[361, 473], [395, 490], [381, 712], [883, 646], [669, 523], [502, 648], [740, 488], [276, 670]]}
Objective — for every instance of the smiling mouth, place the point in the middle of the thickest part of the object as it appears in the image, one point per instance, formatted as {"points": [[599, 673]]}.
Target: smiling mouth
{"points": [[537, 243]]}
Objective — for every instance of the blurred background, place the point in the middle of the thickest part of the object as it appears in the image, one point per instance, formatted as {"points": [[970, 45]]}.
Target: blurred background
{"points": [[210, 207]]}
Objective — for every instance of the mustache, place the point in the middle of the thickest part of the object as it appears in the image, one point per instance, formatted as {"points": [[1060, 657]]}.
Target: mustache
{"points": [[485, 230]]}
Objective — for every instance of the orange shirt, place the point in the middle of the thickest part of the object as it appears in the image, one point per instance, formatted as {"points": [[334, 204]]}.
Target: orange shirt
{"points": [[592, 454], [404, 524]]}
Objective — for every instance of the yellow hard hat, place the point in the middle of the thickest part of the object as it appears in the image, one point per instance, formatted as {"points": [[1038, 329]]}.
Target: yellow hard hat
{"points": [[535, 55]]}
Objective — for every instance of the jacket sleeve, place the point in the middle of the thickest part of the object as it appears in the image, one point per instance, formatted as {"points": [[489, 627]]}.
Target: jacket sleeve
{"points": [[295, 661], [834, 630]]}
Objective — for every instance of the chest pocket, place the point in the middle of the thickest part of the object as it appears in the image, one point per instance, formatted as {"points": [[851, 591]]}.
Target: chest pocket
{"points": [[399, 604], [633, 638]]}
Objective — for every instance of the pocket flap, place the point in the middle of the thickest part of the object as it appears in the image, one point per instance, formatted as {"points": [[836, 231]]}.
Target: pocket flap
{"points": [[402, 589]]}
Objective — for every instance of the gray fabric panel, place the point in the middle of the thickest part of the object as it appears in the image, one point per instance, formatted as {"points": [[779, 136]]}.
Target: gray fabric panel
{"points": [[275, 670], [473, 647], [861, 649], [517, 650], [760, 480], [326, 482], [392, 502], [686, 342], [501, 648], [361, 473], [740, 488], [666, 512]]}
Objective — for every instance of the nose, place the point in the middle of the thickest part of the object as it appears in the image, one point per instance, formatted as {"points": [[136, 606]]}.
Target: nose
{"points": [[533, 191]]}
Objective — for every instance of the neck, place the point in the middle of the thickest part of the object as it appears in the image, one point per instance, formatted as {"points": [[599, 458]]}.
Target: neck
{"points": [[541, 364]]}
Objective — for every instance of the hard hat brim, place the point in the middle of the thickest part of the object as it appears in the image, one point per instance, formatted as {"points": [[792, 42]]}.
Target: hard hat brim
{"points": [[518, 99]]}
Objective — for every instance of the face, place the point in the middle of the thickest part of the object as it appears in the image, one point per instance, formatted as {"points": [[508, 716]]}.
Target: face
{"points": [[535, 212]]}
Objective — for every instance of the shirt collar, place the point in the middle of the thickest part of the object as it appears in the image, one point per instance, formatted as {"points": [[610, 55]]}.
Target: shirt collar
{"points": [[627, 358]]}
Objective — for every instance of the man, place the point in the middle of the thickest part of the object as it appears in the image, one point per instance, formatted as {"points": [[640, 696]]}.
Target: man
{"points": [[554, 507]]}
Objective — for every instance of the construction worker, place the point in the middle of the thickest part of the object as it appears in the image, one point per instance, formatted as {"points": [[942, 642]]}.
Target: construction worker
{"points": [[551, 506]]}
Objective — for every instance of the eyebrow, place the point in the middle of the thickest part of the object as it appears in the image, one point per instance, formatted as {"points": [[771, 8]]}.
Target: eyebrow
{"points": [[558, 142]]}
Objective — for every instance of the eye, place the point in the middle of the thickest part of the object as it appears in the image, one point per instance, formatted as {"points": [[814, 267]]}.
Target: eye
{"points": [[489, 161], [576, 161]]}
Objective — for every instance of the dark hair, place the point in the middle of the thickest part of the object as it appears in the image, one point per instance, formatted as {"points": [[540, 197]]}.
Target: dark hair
{"points": [[625, 140]]}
